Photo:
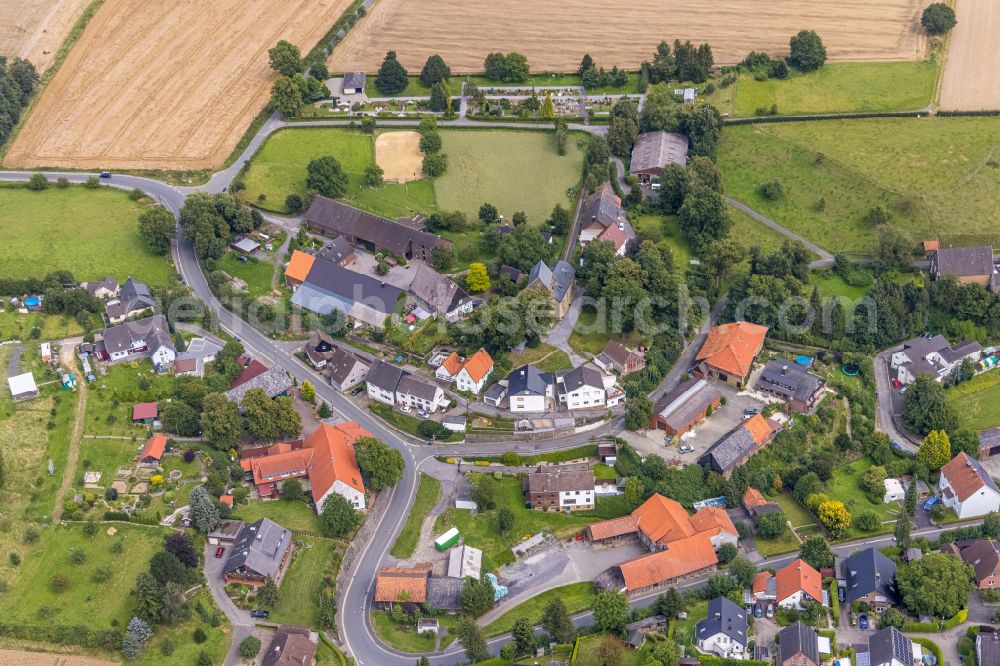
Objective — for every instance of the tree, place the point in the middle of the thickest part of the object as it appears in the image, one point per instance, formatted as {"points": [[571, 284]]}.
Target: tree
{"points": [[938, 18], [477, 278], [286, 98], [505, 520], [157, 227], [873, 480], [439, 102], [877, 215], [148, 595], [621, 135], [166, 567], [635, 492], [180, 419], [611, 611], [926, 408], [488, 214], [557, 622], [585, 64], [936, 585], [472, 640], [324, 411], [268, 594], [136, 636], [326, 177], [965, 440], [204, 514], [868, 521], [308, 392], [523, 635], [894, 250], [285, 58], [637, 413], [38, 182], [221, 421], [516, 68], [477, 596], [435, 71], [548, 107], [174, 610], [559, 220], [430, 142], [742, 570], [891, 617], [727, 552], [391, 78], [292, 491], [380, 462], [609, 652], [495, 66], [180, 545], [704, 218], [434, 165], [807, 51], [991, 525], [834, 516], [338, 517], [935, 450], [772, 525], [902, 531], [910, 500], [249, 647], [374, 176], [816, 552]]}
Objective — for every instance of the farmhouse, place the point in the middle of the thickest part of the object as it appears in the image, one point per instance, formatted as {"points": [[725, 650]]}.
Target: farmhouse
{"points": [[868, 576], [354, 83], [798, 645], [22, 387], [530, 389], [290, 646], [326, 462], [729, 352], [683, 558], [329, 286], [968, 265], [275, 383], [654, 150], [739, 444], [967, 488], [468, 374], [616, 358], [983, 555], [439, 293], [339, 251], [601, 218], [146, 338], [560, 489], [800, 389], [152, 450], [756, 505], [133, 300], [931, 355], [660, 521], [724, 631], [261, 551], [681, 409], [371, 232], [345, 369], [558, 281], [104, 289]]}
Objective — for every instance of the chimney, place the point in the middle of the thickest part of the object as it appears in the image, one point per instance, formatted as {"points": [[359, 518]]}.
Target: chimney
{"points": [[784, 370]]}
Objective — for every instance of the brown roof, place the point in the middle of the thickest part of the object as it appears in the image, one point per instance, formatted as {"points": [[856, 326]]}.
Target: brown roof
{"points": [[681, 558], [799, 576], [144, 410], [663, 520], [345, 220], [552, 481], [254, 369], [290, 647], [713, 520], [617, 352], [752, 498], [394, 582], [153, 448], [616, 527], [932, 245], [966, 476], [733, 347], [185, 365], [984, 556]]}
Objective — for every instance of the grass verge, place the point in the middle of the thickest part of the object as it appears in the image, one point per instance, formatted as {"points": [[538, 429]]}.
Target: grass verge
{"points": [[428, 491]]}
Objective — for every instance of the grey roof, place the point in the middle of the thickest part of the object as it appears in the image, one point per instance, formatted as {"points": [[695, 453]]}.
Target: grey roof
{"points": [[654, 150], [988, 648], [558, 279], [989, 437], [963, 261], [558, 480], [866, 572], [724, 617], [151, 330], [889, 644], [445, 593], [354, 287], [345, 220], [438, 291], [603, 207], [246, 245], [457, 420], [227, 529], [384, 375], [689, 400], [415, 386], [135, 296], [514, 274], [725, 453], [961, 350], [274, 382], [354, 80], [496, 392], [341, 363], [789, 379], [795, 639], [528, 380], [108, 283], [260, 547], [337, 250], [581, 376], [291, 646]]}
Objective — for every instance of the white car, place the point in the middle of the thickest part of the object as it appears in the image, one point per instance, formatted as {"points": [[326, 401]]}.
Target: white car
{"points": [[686, 448]]}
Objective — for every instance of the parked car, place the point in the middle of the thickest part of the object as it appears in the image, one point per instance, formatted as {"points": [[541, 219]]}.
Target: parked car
{"points": [[357, 390], [757, 610], [105, 174], [750, 411], [685, 448], [405, 409], [863, 621], [262, 614], [770, 610], [424, 415], [219, 551], [841, 594], [931, 501]]}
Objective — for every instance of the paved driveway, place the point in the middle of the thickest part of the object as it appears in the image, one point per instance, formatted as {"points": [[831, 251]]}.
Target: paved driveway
{"points": [[240, 619], [398, 276]]}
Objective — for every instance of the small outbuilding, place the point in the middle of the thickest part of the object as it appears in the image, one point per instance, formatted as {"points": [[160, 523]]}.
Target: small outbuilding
{"points": [[894, 491], [354, 83], [145, 412], [246, 246], [23, 387]]}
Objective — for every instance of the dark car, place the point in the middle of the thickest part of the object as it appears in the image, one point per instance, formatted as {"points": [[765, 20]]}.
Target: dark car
{"points": [[863, 621], [841, 594], [757, 610], [219, 551], [357, 390], [262, 614], [750, 411], [931, 501], [105, 174]]}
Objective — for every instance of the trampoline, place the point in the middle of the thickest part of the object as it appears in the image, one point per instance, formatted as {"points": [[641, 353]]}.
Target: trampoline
{"points": [[850, 370]]}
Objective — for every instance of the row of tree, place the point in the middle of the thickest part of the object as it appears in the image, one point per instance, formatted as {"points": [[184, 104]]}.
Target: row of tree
{"points": [[18, 79]]}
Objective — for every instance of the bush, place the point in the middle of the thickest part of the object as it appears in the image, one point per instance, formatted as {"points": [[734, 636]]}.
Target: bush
{"points": [[199, 635], [293, 202], [772, 190], [938, 18], [249, 647], [38, 182], [15, 560]]}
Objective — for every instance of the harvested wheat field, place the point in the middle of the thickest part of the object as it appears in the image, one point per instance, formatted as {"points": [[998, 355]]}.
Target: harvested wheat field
{"points": [[35, 29], [972, 71], [554, 34], [21, 658], [164, 85], [398, 153]]}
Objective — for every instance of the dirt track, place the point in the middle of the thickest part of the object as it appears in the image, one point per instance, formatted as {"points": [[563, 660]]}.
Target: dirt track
{"points": [[164, 85], [398, 153], [972, 71], [554, 34], [34, 29]]}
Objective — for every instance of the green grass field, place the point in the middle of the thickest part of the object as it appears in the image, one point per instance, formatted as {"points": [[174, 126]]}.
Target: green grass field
{"points": [[786, 543], [17, 326], [590, 336], [842, 88], [186, 651], [977, 401], [545, 356], [85, 225], [576, 596], [795, 512], [300, 588], [845, 486], [427, 495], [257, 273], [831, 285], [121, 385], [296, 516]]}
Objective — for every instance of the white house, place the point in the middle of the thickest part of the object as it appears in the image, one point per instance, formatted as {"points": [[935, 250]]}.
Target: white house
{"points": [[145, 338], [414, 393], [724, 631], [932, 355], [560, 489], [529, 389], [894, 491], [467, 374], [797, 583], [381, 381], [966, 488], [581, 388]]}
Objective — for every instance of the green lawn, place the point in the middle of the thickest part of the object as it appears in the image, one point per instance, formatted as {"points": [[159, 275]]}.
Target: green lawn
{"points": [[301, 586], [405, 638], [590, 336], [842, 88], [257, 273], [845, 486], [186, 651], [977, 401], [749, 232], [545, 357], [122, 386], [85, 224], [786, 543], [294, 515], [427, 495], [105, 456], [17, 326], [576, 596], [588, 645], [794, 511], [831, 285], [684, 629]]}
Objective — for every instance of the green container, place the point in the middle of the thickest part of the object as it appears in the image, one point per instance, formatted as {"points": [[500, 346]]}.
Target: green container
{"points": [[447, 540]]}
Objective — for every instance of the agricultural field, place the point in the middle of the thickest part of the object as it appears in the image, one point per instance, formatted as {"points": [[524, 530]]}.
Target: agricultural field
{"points": [[972, 71], [977, 401], [90, 221], [555, 34], [187, 87], [842, 88], [35, 29], [938, 177]]}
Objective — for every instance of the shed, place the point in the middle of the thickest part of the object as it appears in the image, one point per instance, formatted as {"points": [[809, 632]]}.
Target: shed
{"points": [[246, 246], [22, 387], [145, 412], [427, 625], [894, 491], [447, 540], [354, 83], [454, 423], [225, 532]]}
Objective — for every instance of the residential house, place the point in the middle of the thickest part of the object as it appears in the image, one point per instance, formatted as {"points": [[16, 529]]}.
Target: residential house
{"points": [[261, 551], [274, 382], [530, 389], [401, 585], [798, 645], [868, 576], [729, 352], [371, 232], [988, 647], [361, 298], [967, 488], [339, 251], [469, 374], [152, 450], [581, 388], [683, 559], [318, 349], [133, 300], [290, 646], [103, 289], [22, 387], [984, 557], [794, 584], [297, 269], [724, 631], [146, 338], [968, 265], [560, 489], [654, 150], [739, 445], [251, 368], [889, 647], [683, 408], [756, 505], [381, 380], [412, 392], [791, 383], [932, 355], [602, 218], [345, 369], [354, 83], [616, 358], [557, 280], [659, 522], [439, 294], [145, 412], [989, 442], [325, 462]]}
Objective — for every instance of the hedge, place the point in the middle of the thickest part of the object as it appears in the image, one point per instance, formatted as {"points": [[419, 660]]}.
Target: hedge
{"points": [[709, 660], [826, 116], [930, 627], [835, 602], [947, 114], [928, 644], [576, 650], [341, 659], [116, 515], [60, 634]]}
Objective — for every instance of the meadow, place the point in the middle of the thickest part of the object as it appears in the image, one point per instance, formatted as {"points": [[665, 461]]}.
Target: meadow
{"points": [[84, 224], [977, 401], [427, 496], [299, 602]]}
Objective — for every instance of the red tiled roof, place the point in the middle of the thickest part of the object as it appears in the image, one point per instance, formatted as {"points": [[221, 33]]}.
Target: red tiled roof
{"points": [[299, 265], [681, 558], [453, 364], [144, 410], [752, 498], [226, 499], [254, 369], [478, 365], [760, 581], [759, 428], [733, 347], [799, 576], [394, 583], [616, 527], [713, 520], [663, 520], [964, 476], [153, 448]]}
